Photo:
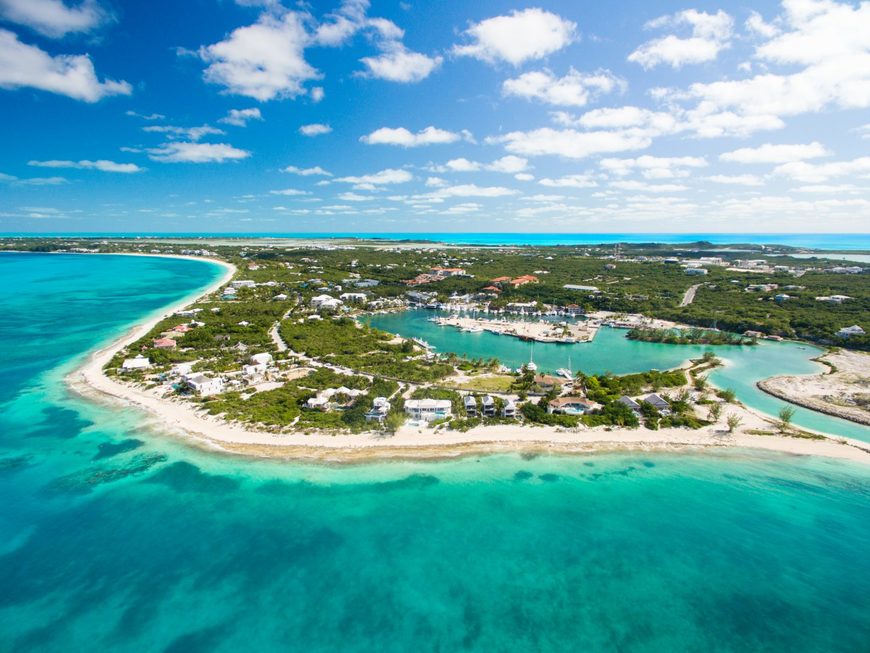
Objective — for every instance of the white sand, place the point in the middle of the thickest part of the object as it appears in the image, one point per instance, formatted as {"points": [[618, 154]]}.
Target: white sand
{"points": [[183, 419]]}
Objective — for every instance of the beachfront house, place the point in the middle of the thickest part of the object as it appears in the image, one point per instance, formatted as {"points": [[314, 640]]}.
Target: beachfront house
{"points": [[204, 386], [848, 332], [510, 409], [242, 283], [488, 406], [631, 403], [138, 363], [570, 405], [470, 406], [317, 403], [379, 410], [428, 410], [658, 403], [353, 297], [164, 343]]}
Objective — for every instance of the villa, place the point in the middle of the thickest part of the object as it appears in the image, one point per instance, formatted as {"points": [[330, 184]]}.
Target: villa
{"points": [[847, 332], [353, 297], [165, 343], [570, 405], [379, 410], [138, 363], [631, 403], [428, 410], [326, 303], [488, 406], [658, 403], [470, 406], [205, 386], [510, 408]]}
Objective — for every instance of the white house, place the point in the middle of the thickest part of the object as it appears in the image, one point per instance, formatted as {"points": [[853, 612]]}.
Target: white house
{"points": [[696, 271], [261, 359], [853, 330], [380, 408], [243, 283], [510, 408], [138, 363], [353, 297], [205, 386], [428, 410], [325, 303]]}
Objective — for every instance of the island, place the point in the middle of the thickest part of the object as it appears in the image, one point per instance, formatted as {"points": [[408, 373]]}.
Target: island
{"points": [[279, 356]]}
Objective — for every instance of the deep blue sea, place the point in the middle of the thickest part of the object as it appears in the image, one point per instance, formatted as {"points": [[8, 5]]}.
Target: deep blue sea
{"points": [[854, 241], [115, 537]]}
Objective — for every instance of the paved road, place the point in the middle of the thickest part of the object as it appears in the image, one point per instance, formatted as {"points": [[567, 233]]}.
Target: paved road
{"points": [[689, 295]]}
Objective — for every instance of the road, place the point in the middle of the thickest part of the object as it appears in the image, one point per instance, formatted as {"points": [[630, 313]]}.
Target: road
{"points": [[689, 295]]}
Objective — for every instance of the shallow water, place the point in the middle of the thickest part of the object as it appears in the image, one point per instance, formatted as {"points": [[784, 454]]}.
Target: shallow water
{"points": [[611, 351], [116, 538]]}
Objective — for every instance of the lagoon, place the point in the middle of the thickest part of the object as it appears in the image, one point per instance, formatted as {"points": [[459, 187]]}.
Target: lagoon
{"points": [[116, 537], [611, 351]]}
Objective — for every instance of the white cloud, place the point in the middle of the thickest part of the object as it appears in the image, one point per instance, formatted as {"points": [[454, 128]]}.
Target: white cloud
{"points": [[509, 164], [307, 172], [388, 176], [570, 181], [570, 143], [317, 94], [52, 17], [769, 153], [816, 173], [462, 165], [738, 180], [517, 37], [644, 187], [653, 167], [241, 117], [405, 138], [574, 89], [184, 152], [101, 164], [435, 182], [314, 129], [710, 35], [472, 190], [150, 116], [659, 122], [398, 64], [289, 192], [26, 66], [524, 176], [757, 25], [263, 61], [189, 133], [32, 181], [355, 197]]}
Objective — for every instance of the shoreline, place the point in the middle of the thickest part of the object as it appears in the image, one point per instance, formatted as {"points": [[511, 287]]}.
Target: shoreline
{"points": [[180, 419]]}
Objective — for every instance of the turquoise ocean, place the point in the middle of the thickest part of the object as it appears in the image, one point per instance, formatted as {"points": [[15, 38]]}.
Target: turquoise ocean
{"points": [[116, 537]]}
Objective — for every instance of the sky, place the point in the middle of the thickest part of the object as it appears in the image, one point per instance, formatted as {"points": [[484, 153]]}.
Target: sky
{"points": [[451, 116]]}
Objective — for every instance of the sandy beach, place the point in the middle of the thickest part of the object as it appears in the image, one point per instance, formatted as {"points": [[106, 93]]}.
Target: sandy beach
{"points": [[184, 420]]}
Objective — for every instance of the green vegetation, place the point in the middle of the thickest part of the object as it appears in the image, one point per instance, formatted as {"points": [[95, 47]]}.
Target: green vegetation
{"points": [[689, 337]]}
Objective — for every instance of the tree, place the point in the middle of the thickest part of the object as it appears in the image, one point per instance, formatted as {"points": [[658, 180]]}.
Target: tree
{"points": [[785, 416], [733, 422], [715, 412], [728, 395]]}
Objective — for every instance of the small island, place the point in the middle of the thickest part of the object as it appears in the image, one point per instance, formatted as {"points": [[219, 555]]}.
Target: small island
{"points": [[693, 336]]}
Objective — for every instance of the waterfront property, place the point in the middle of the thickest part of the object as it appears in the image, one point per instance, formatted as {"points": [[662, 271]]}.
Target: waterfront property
{"points": [[428, 410], [570, 405]]}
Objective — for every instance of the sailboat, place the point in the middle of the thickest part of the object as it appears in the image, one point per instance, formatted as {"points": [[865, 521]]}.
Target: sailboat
{"points": [[532, 367], [566, 371]]}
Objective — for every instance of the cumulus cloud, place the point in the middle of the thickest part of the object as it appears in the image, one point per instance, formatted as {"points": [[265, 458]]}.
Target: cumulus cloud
{"points": [[32, 181], [399, 64], [710, 33], [517, 37], [263, 61], [53, 18], [241, 117], [569, 181], [405, 138], [27, 66], [144, 116], [571, 143], [654, 167], [814, 173], [472, 190], [289, 192], [384, 177], [314, 129], [574, 89], [307, 172], [644, 187], [508, 164], [102, 164], [187, 152], [739, 180], [769, 153]]}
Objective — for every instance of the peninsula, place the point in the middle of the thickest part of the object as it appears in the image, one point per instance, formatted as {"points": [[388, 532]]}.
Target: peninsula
{"points": [[277, 357]]}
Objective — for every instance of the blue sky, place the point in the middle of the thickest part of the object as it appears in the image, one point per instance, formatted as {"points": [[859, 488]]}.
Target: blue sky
{"points": [[253, 115]]}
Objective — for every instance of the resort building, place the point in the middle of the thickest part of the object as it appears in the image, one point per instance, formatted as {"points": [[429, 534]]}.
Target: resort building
{"points": [[353, 297], [428, 410], [205, 386], [447, 272], [243, 283], [138, 363], [325, 303], [631, 403], [510, 408], [570, 405]]}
